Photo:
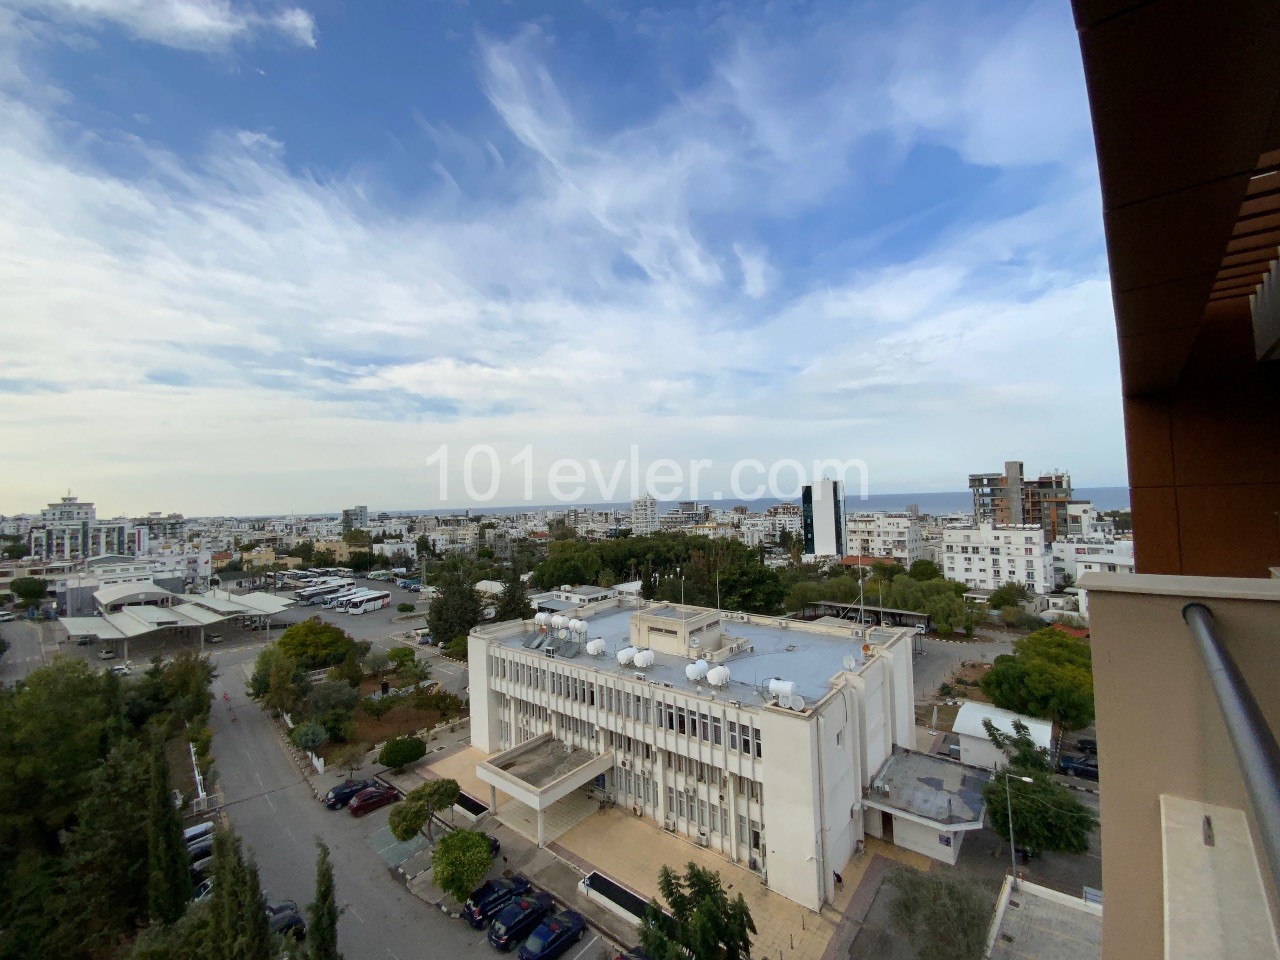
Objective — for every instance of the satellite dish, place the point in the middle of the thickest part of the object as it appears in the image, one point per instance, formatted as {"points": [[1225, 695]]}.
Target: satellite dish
{"points": [[851, 663], [562, 633], [796, 702]]}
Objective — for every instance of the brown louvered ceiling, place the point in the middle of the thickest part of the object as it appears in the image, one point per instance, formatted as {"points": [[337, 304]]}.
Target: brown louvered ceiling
{"points": [[1255, 239]]}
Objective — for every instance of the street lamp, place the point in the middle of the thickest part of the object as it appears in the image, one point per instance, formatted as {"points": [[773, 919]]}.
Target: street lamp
{"points": [[681, 576], [1008, 800]]}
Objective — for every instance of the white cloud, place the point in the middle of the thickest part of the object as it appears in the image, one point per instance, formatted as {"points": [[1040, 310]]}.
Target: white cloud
{"points": [[185, 24], [264, 340]]}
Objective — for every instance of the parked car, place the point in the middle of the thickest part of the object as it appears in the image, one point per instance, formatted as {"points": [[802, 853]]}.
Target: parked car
{"points": [[366, 801], [1087, 745], [194, 833], [920, 628], [204, 890], [494, 846], [1086, 768], [200, 848], [121, 669], [342, 794], [213, 638], [490, 897], [553, 936], [200, 869], [83, 641], [636, 954], [7, 617], [518, 919], [285, 919], [106, 654]]}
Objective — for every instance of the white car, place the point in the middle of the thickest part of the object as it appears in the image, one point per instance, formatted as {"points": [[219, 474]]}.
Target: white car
{"points": [[121, 669], [8, 617]]}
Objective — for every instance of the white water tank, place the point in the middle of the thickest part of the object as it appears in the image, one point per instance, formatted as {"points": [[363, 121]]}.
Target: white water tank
{"points": [[542, 619], [595, 647], [578, 626], [697, 670], [644, 658], [559, 620], [626, 655], [718, 676], [784, 690]]}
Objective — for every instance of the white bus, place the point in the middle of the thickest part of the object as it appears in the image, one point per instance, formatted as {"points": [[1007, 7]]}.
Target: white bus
{"points": [[359, 594], [313, 595], [372, 601], [333, 599]]}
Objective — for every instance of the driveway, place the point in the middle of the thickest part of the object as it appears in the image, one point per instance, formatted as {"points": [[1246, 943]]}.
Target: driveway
{"points": [[274, 810], [940, 657]]}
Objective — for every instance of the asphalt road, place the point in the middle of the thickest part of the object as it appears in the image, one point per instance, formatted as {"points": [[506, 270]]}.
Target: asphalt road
{"points": [[30, 644], [940, 657], [275, 812]]}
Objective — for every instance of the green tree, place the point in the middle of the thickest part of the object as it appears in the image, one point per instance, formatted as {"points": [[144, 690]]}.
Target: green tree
{"points": [[1049, 675], [1018, 747], [105, 888], [239, 929], [358, 537], [456, 608], [459, 862], [420, 806], [923, 570], [168, 870], [309, 736], [1046, 816], [349, 758], [331, 695], [1012, 594], [701, 922], [513, 603], [944, 919], [402, 751], [29, 591], [378, 662], [403, 662], [323, 912], [314, 643], [405, 608]]}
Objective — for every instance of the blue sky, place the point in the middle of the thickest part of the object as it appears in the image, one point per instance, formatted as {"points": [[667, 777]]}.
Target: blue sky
{"points": [[261, 257]]}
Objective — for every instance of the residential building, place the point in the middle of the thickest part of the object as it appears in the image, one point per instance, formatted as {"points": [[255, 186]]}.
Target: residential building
{"points": [[644, 516], [1186, 673], [1011, 498], [18, 526], [986, 556], [890, 535], [53, 572], [1084, 520], [390, 547], [355, 518], [1068, 553], [71, 530], [663, 712], [822, 508]]}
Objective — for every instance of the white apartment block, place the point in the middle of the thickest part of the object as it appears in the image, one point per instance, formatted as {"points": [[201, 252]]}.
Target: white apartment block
{"points": [[1084, 520], [895, 535], [822, 510], [644, 516], [1070, 552], [779, 745], [71, 530], [395, 546], [986, 556]]}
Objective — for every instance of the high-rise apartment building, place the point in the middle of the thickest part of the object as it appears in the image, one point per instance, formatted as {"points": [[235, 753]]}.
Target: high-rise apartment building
{"points": [[822, 508], [1010, 497], [644, 515], [71, 530], [987, 556], [893, 535], [355, 518]]}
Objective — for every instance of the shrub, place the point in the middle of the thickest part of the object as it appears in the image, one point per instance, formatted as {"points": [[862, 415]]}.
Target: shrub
{"points": [[309, 736], [202, 737], [946, 690], [399, 753], [377, 707], [404, 608]]}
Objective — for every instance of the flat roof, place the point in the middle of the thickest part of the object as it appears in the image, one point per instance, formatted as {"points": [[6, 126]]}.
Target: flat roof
{"points": [[546, 763], [969, 719], [929, 787], [807, 657], [1037, 922]]}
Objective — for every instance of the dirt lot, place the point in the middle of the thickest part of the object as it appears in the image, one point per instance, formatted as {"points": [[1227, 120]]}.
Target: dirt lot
{"points": [[965, 680]]}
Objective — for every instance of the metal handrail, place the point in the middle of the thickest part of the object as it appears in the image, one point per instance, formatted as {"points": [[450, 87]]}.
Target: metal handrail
{"points": [[1251, 736]]}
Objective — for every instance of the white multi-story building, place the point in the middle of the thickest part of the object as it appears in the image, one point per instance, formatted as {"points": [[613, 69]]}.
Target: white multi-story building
{"points": [[1069, 553], [987, 556], [70, 530], [644, 516], [895, 535], [670, 711], [1084, 520], [822, 509]]}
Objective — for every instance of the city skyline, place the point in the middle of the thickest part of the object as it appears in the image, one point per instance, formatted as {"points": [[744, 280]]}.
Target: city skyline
{"points": [[252, 262]]}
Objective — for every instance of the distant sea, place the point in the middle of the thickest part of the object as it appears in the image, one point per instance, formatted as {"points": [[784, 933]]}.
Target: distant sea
{"points": [[960, 501]]}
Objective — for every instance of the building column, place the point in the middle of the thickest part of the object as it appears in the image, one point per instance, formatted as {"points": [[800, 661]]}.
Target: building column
{"points": [[540, 828], [733, 817], [661, 805], [493, 799]]}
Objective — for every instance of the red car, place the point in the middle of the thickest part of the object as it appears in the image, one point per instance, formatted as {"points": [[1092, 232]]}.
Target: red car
{"points": [[371, 799]]}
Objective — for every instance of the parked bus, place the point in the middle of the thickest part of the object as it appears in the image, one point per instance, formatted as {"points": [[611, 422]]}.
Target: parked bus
{"points": [[372, 601], [314, 595], [346, 602], [379, 575], [333, 599]]}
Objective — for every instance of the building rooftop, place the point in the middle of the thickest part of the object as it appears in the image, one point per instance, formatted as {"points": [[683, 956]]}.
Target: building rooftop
{"points": [[546, 763], [930, 787], [810, 655], [970, 716], [1034, 921]]}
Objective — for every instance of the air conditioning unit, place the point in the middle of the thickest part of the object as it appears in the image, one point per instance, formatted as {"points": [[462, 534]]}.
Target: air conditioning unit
{"points": [[623, 764], [669, 826]]}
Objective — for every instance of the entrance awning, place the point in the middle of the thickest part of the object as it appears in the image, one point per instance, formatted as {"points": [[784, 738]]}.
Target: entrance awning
{"points": [[543, 770]]}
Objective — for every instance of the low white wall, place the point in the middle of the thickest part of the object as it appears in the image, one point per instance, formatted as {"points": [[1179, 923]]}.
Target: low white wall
{"points": [[935, 844]]}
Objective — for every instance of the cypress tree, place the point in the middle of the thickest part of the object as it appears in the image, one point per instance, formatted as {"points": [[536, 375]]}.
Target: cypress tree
{"points": [[322, 913], [169, 877]]}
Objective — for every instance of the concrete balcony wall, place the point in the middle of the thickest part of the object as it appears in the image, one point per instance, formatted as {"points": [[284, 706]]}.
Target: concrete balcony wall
{"points": [[1160, 730]]}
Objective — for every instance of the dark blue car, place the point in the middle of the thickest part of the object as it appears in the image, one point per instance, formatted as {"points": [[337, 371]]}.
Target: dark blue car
{"points": [[1084, 767], [553, 936], [490, 897], [518, 919]]}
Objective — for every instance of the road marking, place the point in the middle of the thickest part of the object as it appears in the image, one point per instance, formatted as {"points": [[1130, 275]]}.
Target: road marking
{"points": [[270, 803], [393, 956], [290, 833], [258, 776], [356, 913], [583, 949]]}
